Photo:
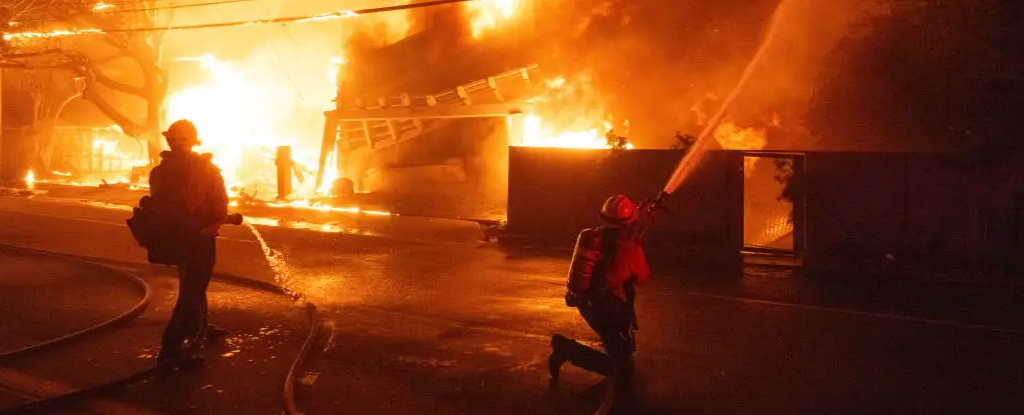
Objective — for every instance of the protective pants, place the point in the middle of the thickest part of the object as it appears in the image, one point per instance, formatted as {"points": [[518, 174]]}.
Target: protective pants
{"points": [[612, 320], [189, 318]]}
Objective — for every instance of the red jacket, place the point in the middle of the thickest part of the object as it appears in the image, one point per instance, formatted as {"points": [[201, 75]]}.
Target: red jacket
{"points": [[627, 262]]}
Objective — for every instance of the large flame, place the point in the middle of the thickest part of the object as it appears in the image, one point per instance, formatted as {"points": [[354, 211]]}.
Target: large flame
{"points": [[733, 137], [242, 121], [487, 14], [567, 114]]}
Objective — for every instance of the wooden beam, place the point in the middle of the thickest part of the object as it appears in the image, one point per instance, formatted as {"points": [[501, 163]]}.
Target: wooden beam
{"points": [[391, 130], [493, 84], [412, 113], [327, 146], [366, 134]]}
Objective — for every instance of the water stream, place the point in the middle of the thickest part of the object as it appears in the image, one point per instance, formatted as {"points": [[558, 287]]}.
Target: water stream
{"points": [[700, 148], [283, 273]]}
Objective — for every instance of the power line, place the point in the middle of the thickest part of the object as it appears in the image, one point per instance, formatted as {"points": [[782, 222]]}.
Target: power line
{"points": [[340, 14], [143, 10]]}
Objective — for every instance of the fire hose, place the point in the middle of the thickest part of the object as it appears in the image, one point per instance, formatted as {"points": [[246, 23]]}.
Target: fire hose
{"points": [[48, 404]]}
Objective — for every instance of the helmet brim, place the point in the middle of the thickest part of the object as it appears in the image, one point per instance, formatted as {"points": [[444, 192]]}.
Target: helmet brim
{"points": [[619, 221]]}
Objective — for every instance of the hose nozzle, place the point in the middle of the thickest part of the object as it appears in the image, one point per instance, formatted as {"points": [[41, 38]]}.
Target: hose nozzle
{"points": [[659, 200]]}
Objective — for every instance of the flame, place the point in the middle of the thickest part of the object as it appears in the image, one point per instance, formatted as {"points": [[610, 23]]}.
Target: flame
{"points": [[102, 6], [732, 137], [51, 34], [487, 14], [566, 115], [240, 121], [307, 205], [104, 146], [538, 133], [30, 178]]}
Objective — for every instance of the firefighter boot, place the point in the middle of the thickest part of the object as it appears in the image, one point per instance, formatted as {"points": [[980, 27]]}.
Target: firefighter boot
{"points": [[583, 357], [556, 359]]}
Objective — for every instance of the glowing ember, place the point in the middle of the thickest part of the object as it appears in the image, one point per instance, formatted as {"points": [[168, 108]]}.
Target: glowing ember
{"points": [[102, 6], [305, 204], [30, 178], [486, 14], [50, 34]]}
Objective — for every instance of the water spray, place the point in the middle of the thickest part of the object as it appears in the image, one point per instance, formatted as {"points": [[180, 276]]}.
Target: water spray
{"points": [[281, 270], [700, 147]]}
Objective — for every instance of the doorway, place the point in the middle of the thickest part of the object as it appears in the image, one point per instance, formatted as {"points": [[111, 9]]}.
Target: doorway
{"points": [[772, 202]]}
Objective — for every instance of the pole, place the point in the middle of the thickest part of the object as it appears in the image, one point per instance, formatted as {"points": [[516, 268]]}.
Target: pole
{"points": [[284, 172], [5, 18], [328, 146], [1, 117]]}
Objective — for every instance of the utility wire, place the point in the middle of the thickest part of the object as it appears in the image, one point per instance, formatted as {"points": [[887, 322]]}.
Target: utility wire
{"points": [[147, 9], [341, 14]]}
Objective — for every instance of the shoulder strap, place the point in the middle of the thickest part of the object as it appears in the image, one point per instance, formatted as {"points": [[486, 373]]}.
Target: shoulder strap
{"points": [[609, 246]]}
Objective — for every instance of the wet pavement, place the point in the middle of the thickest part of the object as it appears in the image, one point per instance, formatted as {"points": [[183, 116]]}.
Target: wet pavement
{"points": [[459, 326], [37, 291], [244, 373]]}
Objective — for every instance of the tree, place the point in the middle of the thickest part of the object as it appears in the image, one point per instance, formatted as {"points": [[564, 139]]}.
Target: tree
{"points": [[120, 69], [931, 73]]}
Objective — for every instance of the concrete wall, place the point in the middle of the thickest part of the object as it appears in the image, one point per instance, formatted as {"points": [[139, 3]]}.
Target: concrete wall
{"points": [[920, 208], [554, 193]]}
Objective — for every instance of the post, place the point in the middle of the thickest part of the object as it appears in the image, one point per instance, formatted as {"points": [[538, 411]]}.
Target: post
{"points": [[327, 146], [1, 117], [5, 18], [284, 172]]}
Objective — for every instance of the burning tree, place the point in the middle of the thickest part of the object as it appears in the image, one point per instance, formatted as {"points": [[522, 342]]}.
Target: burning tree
{"points": [[113, 64]]}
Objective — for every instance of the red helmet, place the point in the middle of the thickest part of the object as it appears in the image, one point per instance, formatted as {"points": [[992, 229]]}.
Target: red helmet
{"points": [[619, 209]]}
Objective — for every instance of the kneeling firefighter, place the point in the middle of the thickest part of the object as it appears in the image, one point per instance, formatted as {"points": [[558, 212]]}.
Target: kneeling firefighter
{"points": [[607, 265], [178, 225]]}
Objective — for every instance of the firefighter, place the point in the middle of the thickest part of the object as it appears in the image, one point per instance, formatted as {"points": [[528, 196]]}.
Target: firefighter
{"points": [[189, 195], [607, 265]]}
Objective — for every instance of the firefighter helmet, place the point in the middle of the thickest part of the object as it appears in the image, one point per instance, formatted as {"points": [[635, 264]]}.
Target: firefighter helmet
{"points": [[182, 129], [619, 209]]}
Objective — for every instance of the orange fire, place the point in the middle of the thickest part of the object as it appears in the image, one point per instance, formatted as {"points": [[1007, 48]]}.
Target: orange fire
{"points": [[487, 14], [567, 115], [732, 137], [242, 117]]}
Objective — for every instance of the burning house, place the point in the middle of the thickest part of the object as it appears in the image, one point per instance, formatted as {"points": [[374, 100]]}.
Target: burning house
{"points": [[515, 110]]}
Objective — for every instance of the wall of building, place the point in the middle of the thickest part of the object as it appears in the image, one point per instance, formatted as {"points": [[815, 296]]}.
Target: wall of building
{"points": [[554, 193], [913, 209], [862, 210]]}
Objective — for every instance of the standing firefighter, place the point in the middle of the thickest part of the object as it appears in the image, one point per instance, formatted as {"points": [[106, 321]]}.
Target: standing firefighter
{"points": [[607, 265], [188, 204]]}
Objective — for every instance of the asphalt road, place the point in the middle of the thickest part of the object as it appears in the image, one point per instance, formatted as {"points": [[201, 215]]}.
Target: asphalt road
{"points": [[459, 326]]}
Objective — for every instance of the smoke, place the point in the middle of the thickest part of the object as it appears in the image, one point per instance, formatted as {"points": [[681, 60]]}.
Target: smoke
{"points": [[665, 65]]}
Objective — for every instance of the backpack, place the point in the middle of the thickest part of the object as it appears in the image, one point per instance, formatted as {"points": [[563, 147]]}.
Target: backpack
{"points": [[164, 242]]}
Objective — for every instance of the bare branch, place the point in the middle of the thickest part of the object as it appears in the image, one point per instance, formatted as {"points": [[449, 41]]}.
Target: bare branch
{"points": [[109, 82], [130, 127]]}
